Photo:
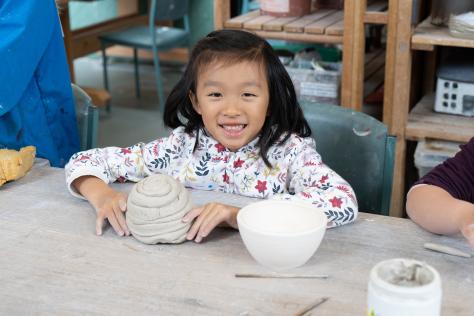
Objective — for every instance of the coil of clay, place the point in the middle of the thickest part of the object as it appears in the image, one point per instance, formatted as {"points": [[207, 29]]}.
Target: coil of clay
{"points": [[155, 208]]}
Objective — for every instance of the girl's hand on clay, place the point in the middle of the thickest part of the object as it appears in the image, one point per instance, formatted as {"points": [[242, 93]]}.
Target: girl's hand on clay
{"points": [[207, 217], [112, 207]]}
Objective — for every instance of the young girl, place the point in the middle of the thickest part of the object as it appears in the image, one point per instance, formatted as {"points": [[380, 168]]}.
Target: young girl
{"points": [[443, 200], [238, 128]]}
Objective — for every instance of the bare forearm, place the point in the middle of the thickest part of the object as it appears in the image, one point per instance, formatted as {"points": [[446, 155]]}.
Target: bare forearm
{"points": [[92, 188], [436, 210]]}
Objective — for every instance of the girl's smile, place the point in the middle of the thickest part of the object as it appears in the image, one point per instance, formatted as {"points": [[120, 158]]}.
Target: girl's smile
{"points": [[233, 130], [233, 101]]}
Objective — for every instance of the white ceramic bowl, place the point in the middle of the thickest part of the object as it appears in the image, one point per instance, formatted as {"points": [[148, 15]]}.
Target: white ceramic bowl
{"points": [[281, 234]]}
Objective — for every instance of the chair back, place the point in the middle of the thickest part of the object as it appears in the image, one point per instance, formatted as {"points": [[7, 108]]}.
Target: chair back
{"points": [[358, 148], [87, 115], [169, 10]]}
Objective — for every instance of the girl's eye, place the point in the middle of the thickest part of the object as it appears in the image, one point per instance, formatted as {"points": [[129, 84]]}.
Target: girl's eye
{"points": [[248, 95], [215, 95]]}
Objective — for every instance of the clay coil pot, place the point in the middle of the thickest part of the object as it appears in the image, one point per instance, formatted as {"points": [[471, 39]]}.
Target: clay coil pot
{"points": [[155, 208]]}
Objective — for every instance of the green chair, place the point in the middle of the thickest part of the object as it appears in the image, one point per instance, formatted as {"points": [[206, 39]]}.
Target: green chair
{"points": [[87, 115], [151, 37], [358, 148]]}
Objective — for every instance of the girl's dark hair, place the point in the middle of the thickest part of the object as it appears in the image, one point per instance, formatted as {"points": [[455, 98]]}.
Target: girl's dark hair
{"points": [[233, 46]]}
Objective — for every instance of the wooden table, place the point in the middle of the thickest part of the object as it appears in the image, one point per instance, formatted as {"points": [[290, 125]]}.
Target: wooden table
{"points": [[51, 262]]}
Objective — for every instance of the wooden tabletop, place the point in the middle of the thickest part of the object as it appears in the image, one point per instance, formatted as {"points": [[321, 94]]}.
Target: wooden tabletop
{"points": [[51, 262]]}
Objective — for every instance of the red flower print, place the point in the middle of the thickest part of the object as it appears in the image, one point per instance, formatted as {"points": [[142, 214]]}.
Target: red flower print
{"points": [[343, 188], [84, 157], [306, 195], [336, 202], [310, 163], [261, 186], [155, 149], [346, 190], [121, 179], [238, 163], [323, 179], [225, 177], [219, 147], [125, 151]]}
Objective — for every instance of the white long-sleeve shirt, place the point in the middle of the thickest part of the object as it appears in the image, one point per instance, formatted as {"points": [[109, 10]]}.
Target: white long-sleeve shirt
{"points": [[297, 172]]}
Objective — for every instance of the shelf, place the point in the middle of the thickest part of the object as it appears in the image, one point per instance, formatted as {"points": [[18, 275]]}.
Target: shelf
{"points": [[423, 123], [374, 73], [321, 26], [427, 35]]}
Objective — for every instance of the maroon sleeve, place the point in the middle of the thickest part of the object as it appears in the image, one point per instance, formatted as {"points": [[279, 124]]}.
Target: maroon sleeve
{"points": [[455, 175]]}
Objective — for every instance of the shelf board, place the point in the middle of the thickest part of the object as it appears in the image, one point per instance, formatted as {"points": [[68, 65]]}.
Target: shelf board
{"points": [[427, 35], [321, 26], [374, 73], [423, 123], [376, 12]]}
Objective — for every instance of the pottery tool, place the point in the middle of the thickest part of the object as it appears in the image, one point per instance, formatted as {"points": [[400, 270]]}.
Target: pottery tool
{"points": [[281, 276], [446, 249], [311, 306]]}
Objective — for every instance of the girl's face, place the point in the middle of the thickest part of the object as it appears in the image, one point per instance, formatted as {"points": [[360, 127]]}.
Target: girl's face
{"points": [[233, 101]]}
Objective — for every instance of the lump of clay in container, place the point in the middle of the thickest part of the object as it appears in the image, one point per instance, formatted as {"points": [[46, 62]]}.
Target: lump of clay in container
{"points": [[155, 208]]}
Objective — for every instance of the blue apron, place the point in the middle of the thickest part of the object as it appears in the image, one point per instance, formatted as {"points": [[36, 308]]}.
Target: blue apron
{"points": [[36, 102]]}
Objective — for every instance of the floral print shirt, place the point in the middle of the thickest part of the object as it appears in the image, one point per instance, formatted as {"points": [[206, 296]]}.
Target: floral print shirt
{"points": [[297, 172]]}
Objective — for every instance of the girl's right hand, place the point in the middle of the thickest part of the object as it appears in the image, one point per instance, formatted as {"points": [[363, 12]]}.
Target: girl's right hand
{"points": [[108, 203], [112, 207]]}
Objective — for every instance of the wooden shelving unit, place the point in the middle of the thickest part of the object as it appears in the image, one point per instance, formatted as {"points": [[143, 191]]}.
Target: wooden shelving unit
{"points": [[421, 122]]}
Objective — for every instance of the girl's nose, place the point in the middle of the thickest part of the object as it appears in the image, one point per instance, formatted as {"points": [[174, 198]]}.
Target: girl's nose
{"points": [[232, 108]]}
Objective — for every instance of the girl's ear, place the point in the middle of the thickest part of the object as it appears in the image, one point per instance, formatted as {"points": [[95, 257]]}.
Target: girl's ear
{"points": [[194, 102]]}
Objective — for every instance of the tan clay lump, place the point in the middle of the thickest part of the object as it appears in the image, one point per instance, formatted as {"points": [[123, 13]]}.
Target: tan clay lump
{"points": [[15, 164], [155, 208]]}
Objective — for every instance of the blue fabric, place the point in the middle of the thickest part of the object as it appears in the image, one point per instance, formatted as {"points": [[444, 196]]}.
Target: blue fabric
{"points": [[36, 102]]}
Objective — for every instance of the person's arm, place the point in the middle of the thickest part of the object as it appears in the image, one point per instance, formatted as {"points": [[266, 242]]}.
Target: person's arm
{"points": [[313, 181], [442, 201], [108, 164], [131, 163], [88, 174], [25, 32], [437, 211]]}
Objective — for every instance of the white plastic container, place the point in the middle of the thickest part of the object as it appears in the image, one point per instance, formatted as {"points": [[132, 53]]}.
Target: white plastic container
{"points": [[316, 85], [404, 287], [429, 154]]}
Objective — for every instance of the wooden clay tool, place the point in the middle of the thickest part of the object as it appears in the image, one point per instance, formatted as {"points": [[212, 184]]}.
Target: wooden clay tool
{"points": [[446, 249]]}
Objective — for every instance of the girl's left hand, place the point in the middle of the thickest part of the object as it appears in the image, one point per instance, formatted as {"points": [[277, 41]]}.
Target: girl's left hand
{"points": [[207, 217]]}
